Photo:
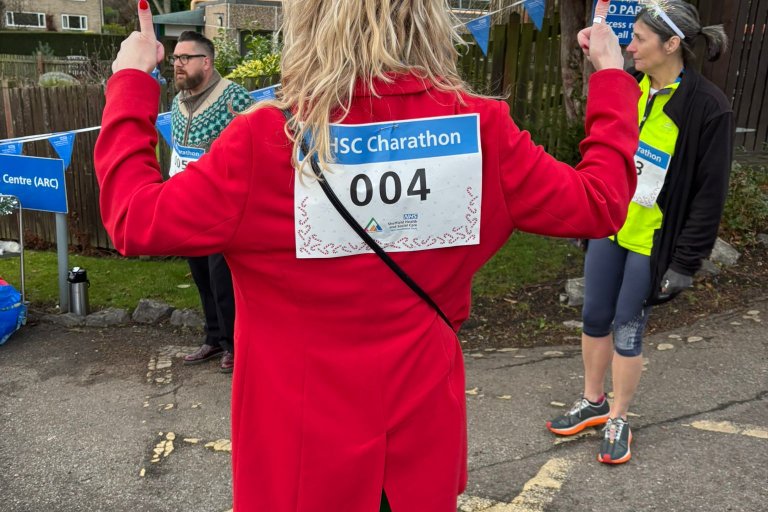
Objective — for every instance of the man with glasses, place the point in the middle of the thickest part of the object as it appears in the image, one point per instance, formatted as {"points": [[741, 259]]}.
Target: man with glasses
{"points": [[204, 106]]}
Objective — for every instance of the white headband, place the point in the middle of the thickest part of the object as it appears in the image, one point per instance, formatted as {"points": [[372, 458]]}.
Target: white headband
{"points": [[668, 20]]}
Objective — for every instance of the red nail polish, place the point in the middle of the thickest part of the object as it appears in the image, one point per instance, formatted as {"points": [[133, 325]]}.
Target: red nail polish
{"points": [[143, 5]]}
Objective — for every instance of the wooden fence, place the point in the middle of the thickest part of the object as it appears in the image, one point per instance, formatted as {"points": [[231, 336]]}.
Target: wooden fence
{"points": [[37, 110], [523, 67], [743, 72], [24, 70]]}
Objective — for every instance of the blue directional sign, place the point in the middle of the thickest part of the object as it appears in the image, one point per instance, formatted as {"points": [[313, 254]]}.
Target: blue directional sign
{"points": [[37, 182], [621, 18]]}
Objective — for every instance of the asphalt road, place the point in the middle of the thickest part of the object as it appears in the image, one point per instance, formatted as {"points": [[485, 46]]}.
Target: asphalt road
{"points": [[83, 413]]}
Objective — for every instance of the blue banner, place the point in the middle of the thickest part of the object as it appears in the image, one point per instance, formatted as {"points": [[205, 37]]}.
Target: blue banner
{"points": [[405, 140], [481, 29], [63, 143], [11, 148], [535, 9], [37, 182], [267, 93], [621, 18], [163, 125]]}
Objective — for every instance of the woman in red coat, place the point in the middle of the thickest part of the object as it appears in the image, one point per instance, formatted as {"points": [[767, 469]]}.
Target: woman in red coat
{"points": [[348, 383]]}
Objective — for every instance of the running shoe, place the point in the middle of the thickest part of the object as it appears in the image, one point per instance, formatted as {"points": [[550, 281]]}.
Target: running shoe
{"points": [[583, 414], [616, 440]]}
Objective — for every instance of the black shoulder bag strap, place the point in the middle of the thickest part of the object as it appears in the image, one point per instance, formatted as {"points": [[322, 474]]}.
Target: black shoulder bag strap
{"points": [[364, 234]]}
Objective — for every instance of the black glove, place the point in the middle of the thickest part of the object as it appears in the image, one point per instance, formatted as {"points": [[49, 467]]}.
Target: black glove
{"points": [[673, 283]]}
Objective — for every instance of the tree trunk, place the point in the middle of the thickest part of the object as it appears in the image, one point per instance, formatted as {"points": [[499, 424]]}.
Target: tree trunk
{"points": [[573, 15]]}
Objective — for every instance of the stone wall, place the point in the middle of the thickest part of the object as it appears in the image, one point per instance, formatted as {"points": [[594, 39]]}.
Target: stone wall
{"points": [[235, 18]]}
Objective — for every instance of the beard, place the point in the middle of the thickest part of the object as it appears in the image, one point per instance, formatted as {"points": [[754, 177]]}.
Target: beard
{"points": [[187, 81]]}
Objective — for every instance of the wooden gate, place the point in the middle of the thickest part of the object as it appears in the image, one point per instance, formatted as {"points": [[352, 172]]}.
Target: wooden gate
{"points": [[743, 72]]}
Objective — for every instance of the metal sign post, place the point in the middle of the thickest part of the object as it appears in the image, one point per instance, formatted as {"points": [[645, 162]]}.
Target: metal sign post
{"points": [[63, 259]]}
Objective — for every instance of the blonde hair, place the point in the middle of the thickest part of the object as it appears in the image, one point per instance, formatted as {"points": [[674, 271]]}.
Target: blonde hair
{"points": [[330, 45]]}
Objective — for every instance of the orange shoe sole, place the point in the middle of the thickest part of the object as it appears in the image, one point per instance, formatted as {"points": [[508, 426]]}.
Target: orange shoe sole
{"points": [[591, 422], [607, 458]]}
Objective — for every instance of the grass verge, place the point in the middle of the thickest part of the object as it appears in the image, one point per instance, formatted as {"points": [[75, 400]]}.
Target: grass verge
{"points": [[115, 281], [526, 260], [121, 282]]}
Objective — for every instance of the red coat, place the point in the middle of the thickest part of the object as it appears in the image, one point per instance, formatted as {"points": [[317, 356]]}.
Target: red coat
{"points": [[345, 381]]}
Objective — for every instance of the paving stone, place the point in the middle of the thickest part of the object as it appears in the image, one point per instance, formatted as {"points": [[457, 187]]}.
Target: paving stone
{"points": [[151, 312], [574, 288], [708, 268], [108, 317], [724, 253], [65, 320], [187, 318]]}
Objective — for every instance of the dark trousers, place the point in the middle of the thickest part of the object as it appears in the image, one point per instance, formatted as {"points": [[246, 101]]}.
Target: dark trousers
{"points": [[214, 282], [384, 507]]}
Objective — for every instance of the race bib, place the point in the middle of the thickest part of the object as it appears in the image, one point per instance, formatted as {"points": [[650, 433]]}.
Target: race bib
{"points": [[413, 185], [652, 165], [182, 156]]}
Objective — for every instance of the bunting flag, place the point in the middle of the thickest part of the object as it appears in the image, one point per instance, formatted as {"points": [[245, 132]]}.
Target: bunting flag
{"points": [[481, 29], [62, 143], [266, 93], [535, 9], [11, 148], [163, 125]]}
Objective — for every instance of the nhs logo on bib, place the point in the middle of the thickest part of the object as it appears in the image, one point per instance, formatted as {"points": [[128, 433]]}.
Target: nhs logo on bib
{"points": [[413, 185]]}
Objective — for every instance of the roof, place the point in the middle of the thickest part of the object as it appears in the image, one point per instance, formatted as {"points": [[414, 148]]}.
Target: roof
{"points": [[194, 18]]}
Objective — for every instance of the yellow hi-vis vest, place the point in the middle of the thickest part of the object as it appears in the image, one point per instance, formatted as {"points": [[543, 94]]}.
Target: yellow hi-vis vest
{"points": [[658, 136]]}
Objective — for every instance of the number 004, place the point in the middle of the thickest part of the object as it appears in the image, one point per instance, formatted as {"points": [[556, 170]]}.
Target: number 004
{"points": [[390, 188]]}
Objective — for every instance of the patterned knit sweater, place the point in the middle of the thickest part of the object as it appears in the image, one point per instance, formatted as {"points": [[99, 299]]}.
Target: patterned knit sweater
{"points": [[211, 115]]}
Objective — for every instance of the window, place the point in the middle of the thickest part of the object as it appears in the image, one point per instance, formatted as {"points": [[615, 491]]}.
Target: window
{"points": [[25, 19], [74, 22]]}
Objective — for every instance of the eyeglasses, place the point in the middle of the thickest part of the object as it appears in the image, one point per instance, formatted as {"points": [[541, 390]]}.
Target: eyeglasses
{"points": [[183, 58]]}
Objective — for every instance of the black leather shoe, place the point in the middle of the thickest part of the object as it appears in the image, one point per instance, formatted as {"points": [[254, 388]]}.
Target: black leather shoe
{"points": [[227, 362], [204, 353]]}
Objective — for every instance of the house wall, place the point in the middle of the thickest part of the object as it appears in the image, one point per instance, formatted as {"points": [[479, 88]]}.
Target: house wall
{"points": [[54, 9], [236, 18]]}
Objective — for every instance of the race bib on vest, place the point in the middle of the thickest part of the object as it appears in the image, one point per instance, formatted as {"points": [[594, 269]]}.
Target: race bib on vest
{"points": [[652, 165], [413, 185], [182, 156]]}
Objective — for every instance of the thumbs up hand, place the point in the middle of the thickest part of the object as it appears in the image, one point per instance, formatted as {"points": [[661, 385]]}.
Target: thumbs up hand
{"points": [[141, 50]]}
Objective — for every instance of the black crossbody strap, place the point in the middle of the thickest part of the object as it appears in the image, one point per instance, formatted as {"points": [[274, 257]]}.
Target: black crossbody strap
{"points": [[363, 234]]}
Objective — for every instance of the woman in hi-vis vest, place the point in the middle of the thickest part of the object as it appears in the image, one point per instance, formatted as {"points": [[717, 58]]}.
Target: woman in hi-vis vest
{"points": [[683, 162], [348, 389]]}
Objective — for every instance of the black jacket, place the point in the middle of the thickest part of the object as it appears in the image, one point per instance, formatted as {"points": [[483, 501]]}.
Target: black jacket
{"points": [[696, 184]]}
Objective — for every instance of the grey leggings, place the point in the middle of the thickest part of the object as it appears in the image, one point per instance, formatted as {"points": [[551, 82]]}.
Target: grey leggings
{"points": [[616, 283]]}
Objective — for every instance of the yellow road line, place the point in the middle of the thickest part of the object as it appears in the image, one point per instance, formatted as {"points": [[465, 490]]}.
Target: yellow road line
{"points": [[539, 491], [474, 504], [727, 427]]}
